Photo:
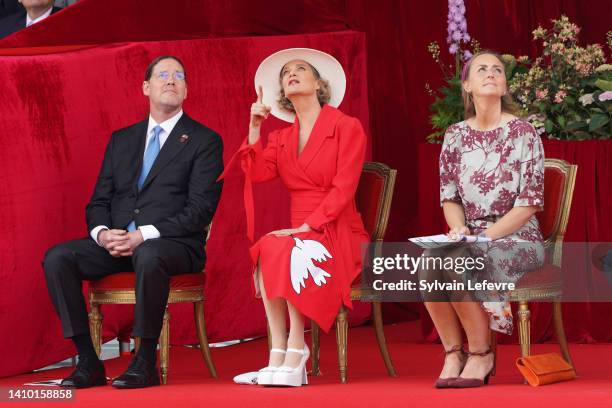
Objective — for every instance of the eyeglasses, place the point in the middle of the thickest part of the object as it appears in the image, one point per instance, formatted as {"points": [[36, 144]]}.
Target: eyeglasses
{"points": [[165, 75]]}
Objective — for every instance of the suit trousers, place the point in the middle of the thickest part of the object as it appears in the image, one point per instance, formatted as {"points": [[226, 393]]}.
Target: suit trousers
{"points": [[68, 264]]}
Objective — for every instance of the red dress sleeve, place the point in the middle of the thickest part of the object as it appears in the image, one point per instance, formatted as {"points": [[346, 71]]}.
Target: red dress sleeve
{"points": [[258, 163], [351, 155]]}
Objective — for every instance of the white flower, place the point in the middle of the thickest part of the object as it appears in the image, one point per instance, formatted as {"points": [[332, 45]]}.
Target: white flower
{"points": [[586, 99]]}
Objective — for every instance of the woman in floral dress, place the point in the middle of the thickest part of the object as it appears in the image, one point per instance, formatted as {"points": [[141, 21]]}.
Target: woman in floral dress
{"points": [[491, 186]]}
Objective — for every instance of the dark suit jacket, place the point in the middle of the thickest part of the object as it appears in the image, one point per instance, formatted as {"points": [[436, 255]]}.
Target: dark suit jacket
{"points": [[180, 194], [15, 22], [8, 7]]}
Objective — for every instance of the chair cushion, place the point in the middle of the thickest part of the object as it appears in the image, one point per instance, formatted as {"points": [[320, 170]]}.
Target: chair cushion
{"points": [[368, 199], [549, 274], [554, 184], [126, 281]]}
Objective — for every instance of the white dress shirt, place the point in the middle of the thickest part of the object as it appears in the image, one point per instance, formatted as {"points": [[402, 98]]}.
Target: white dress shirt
{"points": [[40, 18], [148, 231]]}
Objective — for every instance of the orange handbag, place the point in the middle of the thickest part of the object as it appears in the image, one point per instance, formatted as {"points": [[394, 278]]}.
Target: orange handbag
{"points": [[545, 369]]}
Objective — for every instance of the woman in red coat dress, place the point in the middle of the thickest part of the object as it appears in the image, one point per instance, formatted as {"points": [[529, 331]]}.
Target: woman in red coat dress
{"points": [[308, 269]]}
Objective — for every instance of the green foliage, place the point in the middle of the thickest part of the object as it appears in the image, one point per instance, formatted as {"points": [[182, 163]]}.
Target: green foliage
{"points": [[446, 109]]}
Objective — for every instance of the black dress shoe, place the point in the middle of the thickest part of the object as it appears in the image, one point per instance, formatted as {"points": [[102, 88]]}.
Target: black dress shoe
{"points": [[141, 373], [89, 372]]}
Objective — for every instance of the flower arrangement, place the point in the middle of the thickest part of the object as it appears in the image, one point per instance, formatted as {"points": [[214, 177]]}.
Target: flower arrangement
{"points": [[567, 92]]}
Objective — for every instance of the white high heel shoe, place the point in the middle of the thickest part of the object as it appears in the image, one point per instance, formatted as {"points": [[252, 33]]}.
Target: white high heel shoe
{"points": [[264, 376], [293, 376]]}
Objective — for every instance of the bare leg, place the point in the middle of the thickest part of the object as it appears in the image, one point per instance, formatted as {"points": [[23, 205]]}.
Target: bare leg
{"points": [[443, 315], [276, 311], [475, 321], [445, 319], [296, 336]]}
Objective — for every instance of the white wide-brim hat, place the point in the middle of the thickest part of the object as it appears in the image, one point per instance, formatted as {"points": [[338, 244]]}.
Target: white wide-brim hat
{"points": [[268, 74]]}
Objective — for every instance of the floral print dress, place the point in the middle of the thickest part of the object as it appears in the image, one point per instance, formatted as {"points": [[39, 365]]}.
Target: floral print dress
{"points": [[489, 173]]}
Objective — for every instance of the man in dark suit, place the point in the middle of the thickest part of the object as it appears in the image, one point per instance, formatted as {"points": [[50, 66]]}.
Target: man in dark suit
{"points": [[35, 11], [155, 195]]}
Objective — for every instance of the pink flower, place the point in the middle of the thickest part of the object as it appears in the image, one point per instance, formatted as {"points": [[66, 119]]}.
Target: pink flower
{"points": [[559, 96], [558, 48], [605, 96], [539, 33], [541, 94]]}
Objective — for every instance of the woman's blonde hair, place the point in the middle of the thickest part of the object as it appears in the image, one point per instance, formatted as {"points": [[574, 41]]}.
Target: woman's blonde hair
{"points": [[507, 103], [323, 93]]}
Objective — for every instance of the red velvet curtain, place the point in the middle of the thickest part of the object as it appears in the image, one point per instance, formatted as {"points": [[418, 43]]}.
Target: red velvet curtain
{"points": [[398, 65]]}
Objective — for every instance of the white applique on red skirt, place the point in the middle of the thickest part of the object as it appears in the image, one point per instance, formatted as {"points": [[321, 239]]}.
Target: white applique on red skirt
{"points": [[302, 255]]}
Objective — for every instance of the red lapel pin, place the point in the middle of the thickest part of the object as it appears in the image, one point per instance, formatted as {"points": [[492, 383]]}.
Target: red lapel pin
{"points": [[183, 138]]}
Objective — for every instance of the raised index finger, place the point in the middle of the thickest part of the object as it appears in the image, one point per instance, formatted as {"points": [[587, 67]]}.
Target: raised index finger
{"points": [[259, 94]]}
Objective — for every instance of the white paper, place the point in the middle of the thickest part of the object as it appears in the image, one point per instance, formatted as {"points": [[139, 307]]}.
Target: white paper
{"points": [[443, 240]]}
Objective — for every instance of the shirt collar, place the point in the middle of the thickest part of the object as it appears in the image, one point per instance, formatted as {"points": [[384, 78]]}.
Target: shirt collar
{"points": [[46, 14], [166, 125]]}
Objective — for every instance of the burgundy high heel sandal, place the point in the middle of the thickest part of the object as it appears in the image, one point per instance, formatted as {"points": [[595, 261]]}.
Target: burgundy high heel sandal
{"points": [[445, 382], [461, 382]]}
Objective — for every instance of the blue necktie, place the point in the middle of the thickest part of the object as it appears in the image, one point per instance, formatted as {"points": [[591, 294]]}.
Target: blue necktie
{"points": [[150, 155], [149, 158]]}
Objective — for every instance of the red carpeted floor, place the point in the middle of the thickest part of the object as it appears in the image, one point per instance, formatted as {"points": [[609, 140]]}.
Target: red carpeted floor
{"points": [[418, 364]]}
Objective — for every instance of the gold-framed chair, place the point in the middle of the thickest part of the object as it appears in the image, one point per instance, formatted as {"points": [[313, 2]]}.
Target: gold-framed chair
{"points": [[546, 283], [119, 289], [373, 199]]}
